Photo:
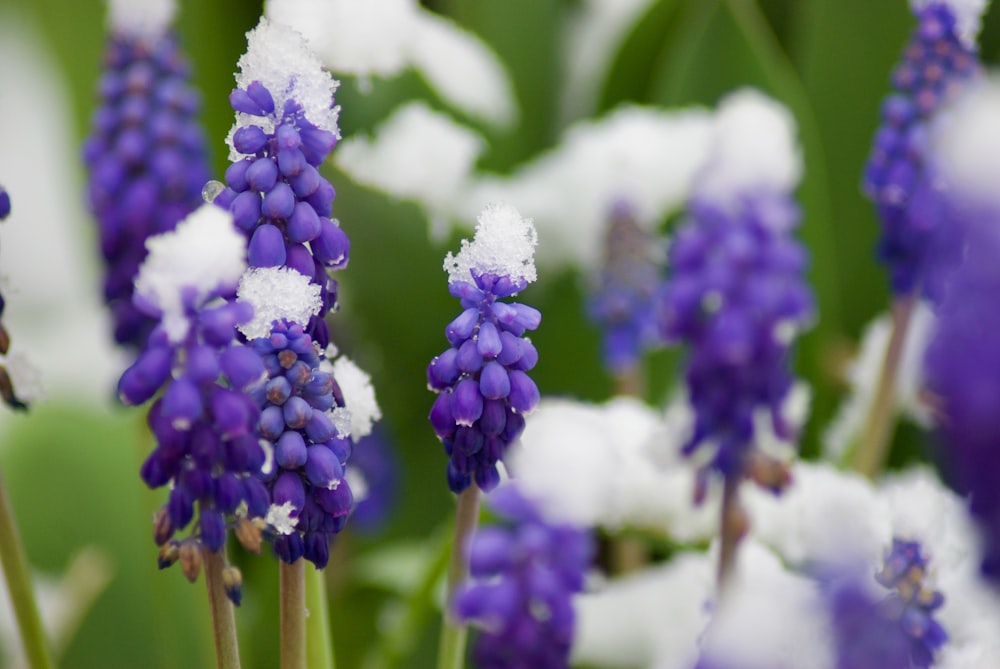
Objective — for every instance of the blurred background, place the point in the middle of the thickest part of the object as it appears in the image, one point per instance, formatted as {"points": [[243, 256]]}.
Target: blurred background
{"points": [[72, 462]]}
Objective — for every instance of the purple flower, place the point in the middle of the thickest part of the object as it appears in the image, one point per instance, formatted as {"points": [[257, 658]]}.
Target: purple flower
{"points": [[286, 126], [7, 392], [963, 372], [623, 299], [481, 380], [310, 496], [524, 573], [146, 160], [203, 419], [864, 637], [937, 63], [736, 294], [912, 603]]}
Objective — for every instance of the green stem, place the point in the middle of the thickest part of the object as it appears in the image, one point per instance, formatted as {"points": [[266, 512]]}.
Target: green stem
{"points": [[227, 651], [292, 578], [22, 595], [873, 447], [451, 650], [319, 641]]}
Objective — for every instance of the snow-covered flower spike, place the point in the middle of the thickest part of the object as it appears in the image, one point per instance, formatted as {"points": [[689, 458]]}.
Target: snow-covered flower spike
{"points": [[483, 387], [146, 155], [940, 60], [203, 421], [286, 126], [623, 295], [737, 294], [524, 572]]}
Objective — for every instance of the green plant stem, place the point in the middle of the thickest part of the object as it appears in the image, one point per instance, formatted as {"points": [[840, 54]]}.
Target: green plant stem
{"points": [[22, 594], [451, 650], [292, 581], [227, 651], [319, 641], [873, 446]]}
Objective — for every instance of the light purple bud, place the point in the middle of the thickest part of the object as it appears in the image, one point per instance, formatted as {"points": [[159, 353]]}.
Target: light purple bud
{"points": [[242, 102], [290, 450], [201, 363], [267, 247], [489, 340], [494, 383], [337, 501], [511, 349], [320, 428], [317, 143], [323, 469], [494, 417], [303, 225], [469, 359], [236, 175], [288, 487], [297, 412], [462, 327], [291, 162], [331, 245], [182, 403], [279, 202], [443, 370], [278, 390], [299, 258], [249, 139], [441, 417], [529, 356], [322, 199], [271, 424], [261, 96], [307, 181], [150, 371], [245, 209], [287, 137], [262, 175], [218, 325], [467, 402], [523, 392]]}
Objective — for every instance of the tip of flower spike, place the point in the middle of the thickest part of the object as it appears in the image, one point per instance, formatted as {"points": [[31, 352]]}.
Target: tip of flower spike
{"points": [[141, 19], [753, 149], [504, 245], [359, 397], [204, 255], [968, 16], [277, 293], [279, 58], [966, 143]]}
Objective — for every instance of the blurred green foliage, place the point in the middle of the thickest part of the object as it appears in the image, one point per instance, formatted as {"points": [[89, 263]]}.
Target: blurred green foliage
{"points": [[73, 474]]}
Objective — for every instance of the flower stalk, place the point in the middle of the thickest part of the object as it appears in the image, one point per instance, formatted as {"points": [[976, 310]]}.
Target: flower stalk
{"points": [[292, 581], [22, 595], [451, 649], [227, 651]]}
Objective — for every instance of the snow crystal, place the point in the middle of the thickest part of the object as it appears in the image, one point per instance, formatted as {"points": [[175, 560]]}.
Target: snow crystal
{"points": [[462, 69], [968, 16], [141, 19], [753, 149], [359, 396], [205, 253], [644, 156], [966, 142], [416, 154], [282, 518], [277, 293], [279, 58], [504, 245]]}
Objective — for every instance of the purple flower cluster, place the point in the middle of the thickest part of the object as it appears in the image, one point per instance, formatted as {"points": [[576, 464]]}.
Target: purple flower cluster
{"points": [[864, 637], [525, 574], [307, 484], [936, 65], [147, 164], [623, 301], [736, 296], [482, 382], [10, 398], [279, 199], [912, 604], [207, 448], [963, 371]]}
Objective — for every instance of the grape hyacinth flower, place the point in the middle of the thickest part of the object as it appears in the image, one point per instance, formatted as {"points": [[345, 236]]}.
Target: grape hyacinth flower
{"points": [[737, 293], [622, 301], [864, 637], [912, 603], [940, 60], [483, 387], [146, 156], [524, 572], [7, 392], [207, 450], [286, 126]]}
